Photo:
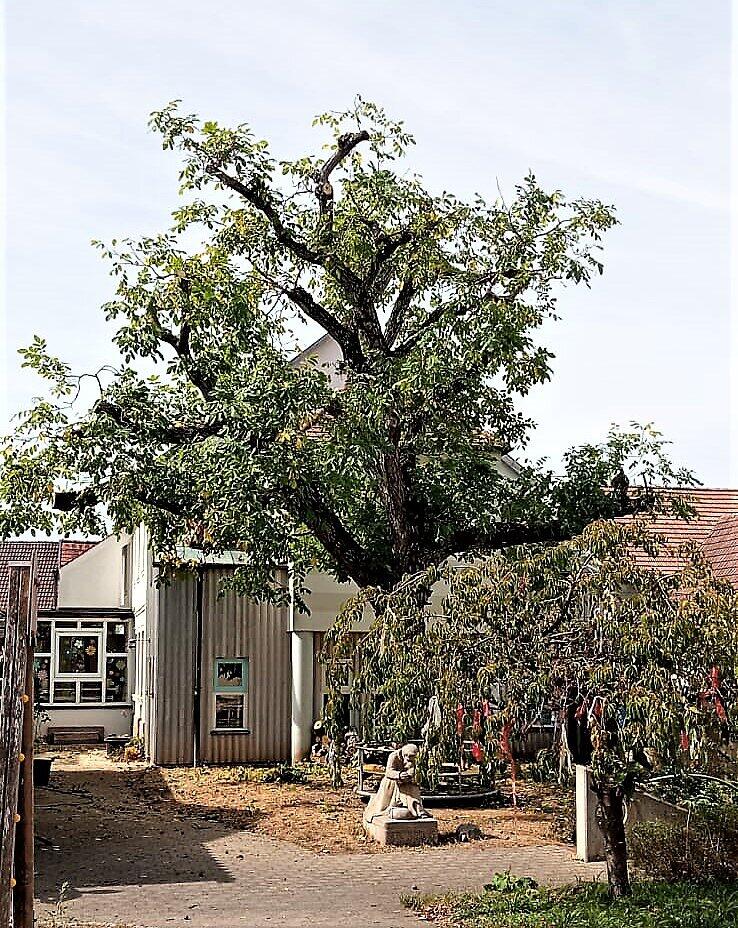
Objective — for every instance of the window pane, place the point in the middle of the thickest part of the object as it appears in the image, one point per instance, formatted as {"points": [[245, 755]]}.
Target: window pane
{"points": [[65, 692], [116, 642], [43, 638], [116, 671], [343, 673], [229, 675], [79, 654], [41, 678], [229, 712], [90, 691]]}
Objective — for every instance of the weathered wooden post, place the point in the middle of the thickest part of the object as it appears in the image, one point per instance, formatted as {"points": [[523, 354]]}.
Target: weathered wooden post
{"points": [[23, 896], [16, 704]]}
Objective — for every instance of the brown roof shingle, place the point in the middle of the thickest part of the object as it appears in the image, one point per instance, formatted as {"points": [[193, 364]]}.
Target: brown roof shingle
{"points": [[46, 554], [49, 557]]}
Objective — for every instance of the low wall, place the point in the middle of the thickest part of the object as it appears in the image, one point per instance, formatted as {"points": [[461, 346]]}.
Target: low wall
{"points": [[115, 721], [643, 807]]}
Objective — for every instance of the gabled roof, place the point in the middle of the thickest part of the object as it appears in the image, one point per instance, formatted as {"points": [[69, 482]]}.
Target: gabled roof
{"points": [[49, 556], [721, 549], [71, 550], [713, 508], [46, 556]]}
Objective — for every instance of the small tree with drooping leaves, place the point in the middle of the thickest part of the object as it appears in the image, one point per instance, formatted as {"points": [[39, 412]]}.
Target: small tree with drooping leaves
{"points": [[645, 661]]}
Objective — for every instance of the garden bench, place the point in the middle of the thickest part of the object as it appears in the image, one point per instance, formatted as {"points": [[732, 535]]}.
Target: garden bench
{"points": [[69, 734]]}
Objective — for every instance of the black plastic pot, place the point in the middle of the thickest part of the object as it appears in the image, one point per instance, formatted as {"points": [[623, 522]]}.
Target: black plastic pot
{"points": [[42, 770]]}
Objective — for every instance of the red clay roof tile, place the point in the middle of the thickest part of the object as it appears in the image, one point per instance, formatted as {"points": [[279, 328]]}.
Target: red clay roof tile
{"points": [[49, 557], [712, 507]]}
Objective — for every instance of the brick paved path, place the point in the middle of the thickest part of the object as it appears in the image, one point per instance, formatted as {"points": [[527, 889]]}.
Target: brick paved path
{"points": [[260, 883], [125, 864]]}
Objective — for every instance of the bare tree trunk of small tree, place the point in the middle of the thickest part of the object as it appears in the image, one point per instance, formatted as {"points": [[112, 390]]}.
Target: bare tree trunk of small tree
{"points": [[611, 819]]}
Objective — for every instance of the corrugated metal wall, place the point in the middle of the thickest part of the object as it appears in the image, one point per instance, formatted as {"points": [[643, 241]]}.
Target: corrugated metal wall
{"points": [[235, 626], [173, 648]]}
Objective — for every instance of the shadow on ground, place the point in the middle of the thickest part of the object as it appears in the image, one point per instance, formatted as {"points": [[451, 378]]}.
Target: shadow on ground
{"points": [[94, 834]]}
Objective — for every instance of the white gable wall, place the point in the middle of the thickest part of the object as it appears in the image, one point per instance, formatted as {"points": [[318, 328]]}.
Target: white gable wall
{"points": [[324, 354], [95, 578]]}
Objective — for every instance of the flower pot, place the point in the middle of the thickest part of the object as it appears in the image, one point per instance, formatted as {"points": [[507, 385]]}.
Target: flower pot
{"points": [[42, 770]]}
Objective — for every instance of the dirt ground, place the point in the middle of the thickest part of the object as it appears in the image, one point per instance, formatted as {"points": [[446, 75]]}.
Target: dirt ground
{"points": [[126, 844], [317, 818], [310, 815]]}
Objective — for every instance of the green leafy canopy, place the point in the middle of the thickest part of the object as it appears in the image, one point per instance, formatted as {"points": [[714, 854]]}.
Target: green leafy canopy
{"points": [[435, 303]]}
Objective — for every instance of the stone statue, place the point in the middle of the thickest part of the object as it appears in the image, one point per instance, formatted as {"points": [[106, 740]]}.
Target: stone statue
{"points": [[398, 795]]}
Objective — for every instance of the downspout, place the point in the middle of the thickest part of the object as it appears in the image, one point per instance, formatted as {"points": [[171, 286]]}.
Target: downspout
{"points": [[197, 685]]}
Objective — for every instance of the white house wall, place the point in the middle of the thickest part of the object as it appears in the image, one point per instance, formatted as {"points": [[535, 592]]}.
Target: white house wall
{"points": [[326, 598], [94, 579], [326, 355], [114, 721], [140, 560]]}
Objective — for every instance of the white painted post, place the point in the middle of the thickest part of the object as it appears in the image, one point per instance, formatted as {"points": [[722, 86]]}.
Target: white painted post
{"points": [[302, 694], [589, 837]]}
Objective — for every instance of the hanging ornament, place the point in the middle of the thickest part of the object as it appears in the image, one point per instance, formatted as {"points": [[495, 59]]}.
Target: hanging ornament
{"points": [[507, 753]]}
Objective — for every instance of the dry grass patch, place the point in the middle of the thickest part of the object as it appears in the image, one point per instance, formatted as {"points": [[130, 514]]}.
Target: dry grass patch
{"points": [[318, 818]]}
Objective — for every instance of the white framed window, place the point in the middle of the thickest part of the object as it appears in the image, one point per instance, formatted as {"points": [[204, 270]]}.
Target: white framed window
{"points": [[125, 575], [81, 662], [230, 693], [78, 654]]}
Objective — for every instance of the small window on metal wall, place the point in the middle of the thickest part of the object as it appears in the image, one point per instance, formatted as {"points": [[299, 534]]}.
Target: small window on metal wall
{"points": [[230, 684]]}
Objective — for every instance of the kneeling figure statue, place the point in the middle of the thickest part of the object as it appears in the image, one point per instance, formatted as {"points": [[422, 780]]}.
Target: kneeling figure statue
{"points": [[398, 796]]}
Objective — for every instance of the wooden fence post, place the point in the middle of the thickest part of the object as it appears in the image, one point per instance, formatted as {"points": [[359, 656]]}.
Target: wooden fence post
{"points": [[13, 702], [23, 894]]}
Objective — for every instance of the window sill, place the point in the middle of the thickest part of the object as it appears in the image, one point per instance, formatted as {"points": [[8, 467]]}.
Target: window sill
{"points": [[230, 731], [86, 705]]}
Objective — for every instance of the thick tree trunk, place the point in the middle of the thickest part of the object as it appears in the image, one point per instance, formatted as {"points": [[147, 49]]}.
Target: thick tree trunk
{"points": [[611, 819]]}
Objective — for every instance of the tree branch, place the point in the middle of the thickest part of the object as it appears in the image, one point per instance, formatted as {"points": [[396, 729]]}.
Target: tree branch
{"points": [[260, 199], [256, 194], [323, 187], [346, 337], [508, 534], [181, 345], [166, 434], [399, 311], [340, 544]]}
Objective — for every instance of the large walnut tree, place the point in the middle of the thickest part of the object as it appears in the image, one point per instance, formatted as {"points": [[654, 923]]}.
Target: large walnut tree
{"points": [[435, 303]]}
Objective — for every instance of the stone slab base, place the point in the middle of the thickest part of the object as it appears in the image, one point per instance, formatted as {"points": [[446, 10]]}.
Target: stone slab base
{"points": [[403, 832]]}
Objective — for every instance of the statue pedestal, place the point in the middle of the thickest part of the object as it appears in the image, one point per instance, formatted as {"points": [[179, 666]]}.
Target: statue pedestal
{"points": [[402, 832]]}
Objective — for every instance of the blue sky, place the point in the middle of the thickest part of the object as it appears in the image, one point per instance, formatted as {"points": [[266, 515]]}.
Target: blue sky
{"points": [[626, 101]]}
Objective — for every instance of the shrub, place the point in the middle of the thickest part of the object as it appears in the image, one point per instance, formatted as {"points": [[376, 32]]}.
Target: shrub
{"points": [[281, 773], [510, 903], [705, 848]]}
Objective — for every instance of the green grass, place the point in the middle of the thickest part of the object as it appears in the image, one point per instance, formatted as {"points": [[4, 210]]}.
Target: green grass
{"points": [[510, 903]]}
